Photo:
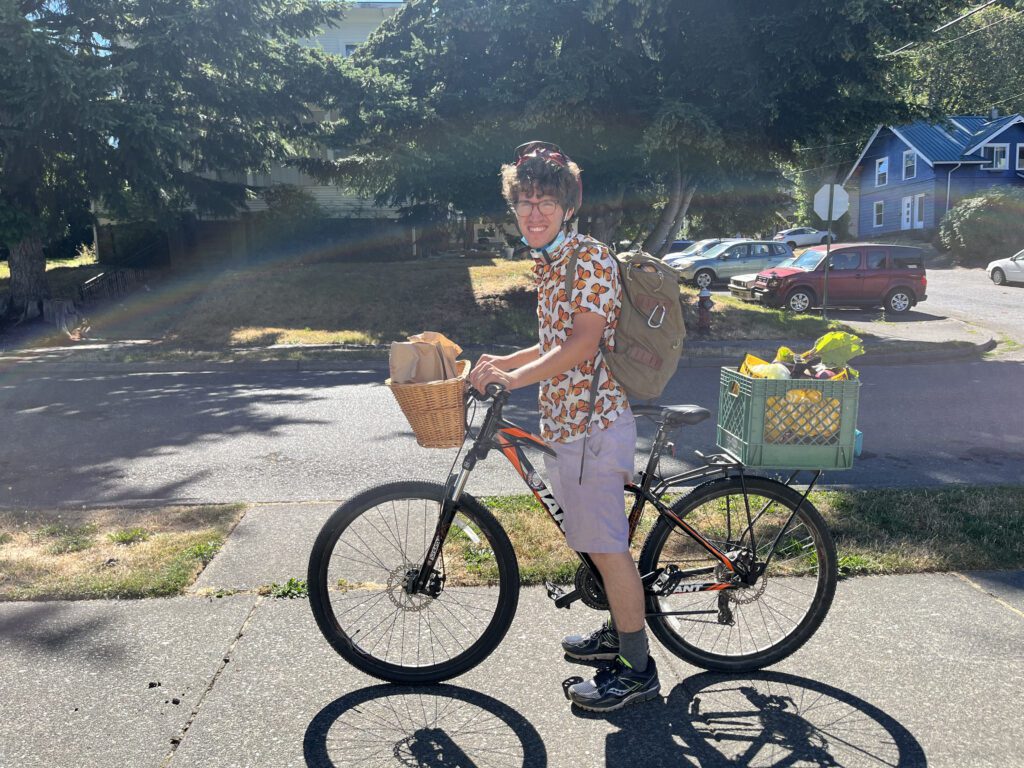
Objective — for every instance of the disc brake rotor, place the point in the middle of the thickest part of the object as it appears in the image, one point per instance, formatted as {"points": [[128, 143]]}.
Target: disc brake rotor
{"points": [[397, 594]]}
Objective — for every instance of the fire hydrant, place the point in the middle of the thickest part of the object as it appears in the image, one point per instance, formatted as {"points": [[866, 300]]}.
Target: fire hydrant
{"points": [[704, 305]]}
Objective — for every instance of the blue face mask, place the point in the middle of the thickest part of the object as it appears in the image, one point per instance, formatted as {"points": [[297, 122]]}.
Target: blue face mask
{"points": [[552, 246]]}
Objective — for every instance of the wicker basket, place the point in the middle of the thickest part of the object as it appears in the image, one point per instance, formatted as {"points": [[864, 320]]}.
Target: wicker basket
{"points": [[436, 410]]}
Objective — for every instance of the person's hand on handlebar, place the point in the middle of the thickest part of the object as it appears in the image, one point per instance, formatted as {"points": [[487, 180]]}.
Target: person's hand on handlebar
{"points": [[489, 370]]}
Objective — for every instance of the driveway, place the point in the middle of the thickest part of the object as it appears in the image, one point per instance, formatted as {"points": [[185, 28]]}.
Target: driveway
{"points": [[968, 294]]}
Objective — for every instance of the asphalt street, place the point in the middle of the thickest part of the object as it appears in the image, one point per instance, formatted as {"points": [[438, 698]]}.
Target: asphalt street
{"points": [[287, 436], [968, 294]]}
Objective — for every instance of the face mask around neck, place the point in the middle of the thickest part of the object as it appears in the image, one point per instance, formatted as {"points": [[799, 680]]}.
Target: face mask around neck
{"points": [[551, 247]]}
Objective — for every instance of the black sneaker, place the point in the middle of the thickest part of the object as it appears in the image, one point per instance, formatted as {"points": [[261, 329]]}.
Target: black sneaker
{"points": [[601, 644], [615, 686]]}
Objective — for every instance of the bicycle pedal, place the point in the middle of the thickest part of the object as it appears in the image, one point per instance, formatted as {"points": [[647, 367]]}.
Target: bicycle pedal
{"points": [[568, 683], [554, 591]]}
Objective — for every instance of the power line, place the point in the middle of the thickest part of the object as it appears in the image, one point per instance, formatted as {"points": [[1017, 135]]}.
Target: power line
{"points": [[1004, 101], [979, 29], [947, 25], [826, 146]]}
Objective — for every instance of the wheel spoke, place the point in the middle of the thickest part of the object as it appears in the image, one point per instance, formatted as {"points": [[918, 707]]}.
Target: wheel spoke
{"points": [[772, 617], [359, 579]]}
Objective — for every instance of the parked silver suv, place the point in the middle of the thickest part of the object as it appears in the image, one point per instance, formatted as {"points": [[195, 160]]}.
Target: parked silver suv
{"points": [[735, 257]]}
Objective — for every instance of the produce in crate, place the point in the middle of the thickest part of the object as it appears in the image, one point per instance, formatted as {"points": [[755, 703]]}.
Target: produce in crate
{"points": [[827, 359]]}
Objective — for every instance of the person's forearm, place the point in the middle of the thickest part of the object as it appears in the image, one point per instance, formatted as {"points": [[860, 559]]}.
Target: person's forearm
{"points": [[520, 358]]}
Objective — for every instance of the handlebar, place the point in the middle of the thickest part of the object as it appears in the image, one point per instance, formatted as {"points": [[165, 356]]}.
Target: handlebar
{"points": [[491, 392]]}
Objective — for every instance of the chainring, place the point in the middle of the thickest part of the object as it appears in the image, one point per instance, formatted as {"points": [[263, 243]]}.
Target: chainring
{"points": [[590, 589]]}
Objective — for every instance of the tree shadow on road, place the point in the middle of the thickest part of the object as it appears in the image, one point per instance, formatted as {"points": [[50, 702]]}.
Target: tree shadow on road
{"points": [[109, 438]]}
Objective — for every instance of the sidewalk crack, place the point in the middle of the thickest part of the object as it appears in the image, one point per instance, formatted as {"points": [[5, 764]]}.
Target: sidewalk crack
{"points": [[226, 658]]}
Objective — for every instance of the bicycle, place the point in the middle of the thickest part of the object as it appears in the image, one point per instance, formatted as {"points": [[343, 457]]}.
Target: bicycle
{"points": [[417, 582]]}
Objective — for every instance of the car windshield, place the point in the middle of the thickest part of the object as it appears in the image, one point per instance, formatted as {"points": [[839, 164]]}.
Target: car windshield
{"points": [[697, 248], [712, 252], [807, 261]]}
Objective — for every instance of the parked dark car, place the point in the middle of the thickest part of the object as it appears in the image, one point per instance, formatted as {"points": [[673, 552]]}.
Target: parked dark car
{"points": [[861, 275]]}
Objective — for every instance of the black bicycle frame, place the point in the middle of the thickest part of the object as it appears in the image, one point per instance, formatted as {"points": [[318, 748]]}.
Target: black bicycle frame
{"points": [[496, 433]]}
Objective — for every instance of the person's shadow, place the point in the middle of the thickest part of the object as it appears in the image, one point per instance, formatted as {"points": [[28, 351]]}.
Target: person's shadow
{"points": [[440, 726], [762, 719]]}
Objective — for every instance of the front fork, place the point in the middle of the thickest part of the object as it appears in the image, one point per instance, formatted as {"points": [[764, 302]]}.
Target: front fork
{"points": [[425, 580]]}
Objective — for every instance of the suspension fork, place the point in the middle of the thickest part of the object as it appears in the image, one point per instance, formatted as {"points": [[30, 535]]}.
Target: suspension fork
{"points": [[449, 505]]}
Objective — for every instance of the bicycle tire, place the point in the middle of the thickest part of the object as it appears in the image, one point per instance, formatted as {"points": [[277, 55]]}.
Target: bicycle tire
{"points": [[771, 619], [360, 558]]}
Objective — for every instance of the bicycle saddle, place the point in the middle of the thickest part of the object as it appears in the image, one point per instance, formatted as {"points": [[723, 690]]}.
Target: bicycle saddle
{"points": [[673, 415]]}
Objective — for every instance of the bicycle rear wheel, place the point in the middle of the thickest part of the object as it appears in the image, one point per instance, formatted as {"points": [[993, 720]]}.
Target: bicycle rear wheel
{"points": [[359, 564], [738, 630]]}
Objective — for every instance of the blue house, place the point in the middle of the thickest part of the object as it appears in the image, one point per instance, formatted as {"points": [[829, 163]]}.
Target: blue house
{"points": [[908, 176]]}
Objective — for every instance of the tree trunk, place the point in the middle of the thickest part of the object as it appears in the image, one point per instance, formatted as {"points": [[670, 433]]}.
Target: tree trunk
{"points": [[28, 278], [684, 207], [656, 242], [605, 222]]}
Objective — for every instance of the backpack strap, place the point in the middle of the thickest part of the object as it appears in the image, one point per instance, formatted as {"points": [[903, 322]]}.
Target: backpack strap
{"points": [[570, 278]]}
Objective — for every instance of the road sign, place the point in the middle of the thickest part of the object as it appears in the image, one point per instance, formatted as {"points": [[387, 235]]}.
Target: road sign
{"points": [[840, 201]]}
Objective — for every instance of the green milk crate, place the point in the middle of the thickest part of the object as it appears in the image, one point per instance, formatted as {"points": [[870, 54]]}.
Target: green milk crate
{"points": [[788, 423]]}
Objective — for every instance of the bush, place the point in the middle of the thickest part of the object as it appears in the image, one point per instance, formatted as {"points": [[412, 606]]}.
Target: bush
{"points": [[984, 227]]}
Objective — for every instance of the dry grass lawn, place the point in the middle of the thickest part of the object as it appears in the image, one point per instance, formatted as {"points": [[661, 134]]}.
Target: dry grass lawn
{"points": [[109, 553]]}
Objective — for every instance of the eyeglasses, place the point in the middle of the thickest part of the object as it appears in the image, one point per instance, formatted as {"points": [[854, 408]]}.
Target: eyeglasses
{"points": [[524, 208], [542, 149]]}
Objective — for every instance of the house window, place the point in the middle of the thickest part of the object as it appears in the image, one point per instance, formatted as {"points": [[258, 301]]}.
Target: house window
{"points": [[919, 212], [881, 171], [998, 156], [909, 165], [1020, 157], [879, 213]]}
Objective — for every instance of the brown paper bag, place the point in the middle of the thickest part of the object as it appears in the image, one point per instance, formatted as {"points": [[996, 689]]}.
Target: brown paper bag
{"points": [[427, 356]]}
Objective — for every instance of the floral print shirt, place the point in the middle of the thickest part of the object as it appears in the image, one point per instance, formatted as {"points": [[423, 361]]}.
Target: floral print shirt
{"points": [[565, 398]]}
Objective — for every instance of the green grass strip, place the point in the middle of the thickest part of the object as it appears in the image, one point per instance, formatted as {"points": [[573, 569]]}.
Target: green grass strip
{"points": [[877, 531]]}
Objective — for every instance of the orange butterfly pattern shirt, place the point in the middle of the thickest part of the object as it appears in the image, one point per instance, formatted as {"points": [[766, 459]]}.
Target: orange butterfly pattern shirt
{"points": [[565, 398]]}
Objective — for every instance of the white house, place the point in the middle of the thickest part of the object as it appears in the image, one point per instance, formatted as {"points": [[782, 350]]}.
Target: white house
{"points": [[232, 238]]}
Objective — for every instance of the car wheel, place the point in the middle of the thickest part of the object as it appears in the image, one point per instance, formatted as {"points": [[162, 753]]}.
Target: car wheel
{"points": [[791, 244], [800, 300], [998, 277], [704, 278], [899, 300], [824, 240]]}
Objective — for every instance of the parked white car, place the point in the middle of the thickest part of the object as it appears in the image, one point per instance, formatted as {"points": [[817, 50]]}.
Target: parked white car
{"points": [[801, 236], [1003, 271]]}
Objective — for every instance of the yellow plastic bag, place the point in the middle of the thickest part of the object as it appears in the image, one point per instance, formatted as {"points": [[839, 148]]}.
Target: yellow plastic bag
{"points": [[749, 362]]}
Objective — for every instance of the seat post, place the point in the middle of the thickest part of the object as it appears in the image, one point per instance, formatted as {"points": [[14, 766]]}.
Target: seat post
{"points": [[657, 445]]}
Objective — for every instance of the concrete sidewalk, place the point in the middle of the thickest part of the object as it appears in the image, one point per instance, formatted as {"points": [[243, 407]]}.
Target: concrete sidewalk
{"points": [[911, 671]]}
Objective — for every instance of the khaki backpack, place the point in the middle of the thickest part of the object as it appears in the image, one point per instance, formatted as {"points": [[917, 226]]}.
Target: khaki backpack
{"points": [[650, 332]]}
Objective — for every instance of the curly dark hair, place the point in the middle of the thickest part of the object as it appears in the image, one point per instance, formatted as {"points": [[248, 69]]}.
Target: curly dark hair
{"points": [[539, 176]]}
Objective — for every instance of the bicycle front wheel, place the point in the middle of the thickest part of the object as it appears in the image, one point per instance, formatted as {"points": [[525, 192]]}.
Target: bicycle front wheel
{"points": [[359, 565], [738, 630]]}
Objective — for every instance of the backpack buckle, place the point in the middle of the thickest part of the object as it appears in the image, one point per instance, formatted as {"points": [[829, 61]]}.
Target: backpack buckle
{"points": [[651, 322]]}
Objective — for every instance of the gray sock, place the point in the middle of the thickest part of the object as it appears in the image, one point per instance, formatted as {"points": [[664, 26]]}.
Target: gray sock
{"points": [[633, 648]]}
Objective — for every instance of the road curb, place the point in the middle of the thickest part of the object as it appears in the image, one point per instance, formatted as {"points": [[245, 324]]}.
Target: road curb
{"points": [[701, 358]]}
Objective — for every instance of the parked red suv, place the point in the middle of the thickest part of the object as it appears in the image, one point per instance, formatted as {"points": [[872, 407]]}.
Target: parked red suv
{"points": [[861, 275]]}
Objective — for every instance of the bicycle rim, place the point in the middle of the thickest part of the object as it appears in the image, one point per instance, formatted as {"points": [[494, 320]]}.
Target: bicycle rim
{"points": [[359, 566], [749, 628]]}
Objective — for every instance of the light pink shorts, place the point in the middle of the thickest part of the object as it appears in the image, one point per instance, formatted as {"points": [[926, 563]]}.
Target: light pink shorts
{"points": [[595, 511]]}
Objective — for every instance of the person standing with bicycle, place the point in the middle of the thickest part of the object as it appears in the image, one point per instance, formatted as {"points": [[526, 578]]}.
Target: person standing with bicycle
{"points": [[593, 447]]}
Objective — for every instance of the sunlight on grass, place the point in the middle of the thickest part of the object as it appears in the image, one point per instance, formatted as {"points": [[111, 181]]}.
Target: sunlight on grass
{"points": [[884, 531], [109, 553]]}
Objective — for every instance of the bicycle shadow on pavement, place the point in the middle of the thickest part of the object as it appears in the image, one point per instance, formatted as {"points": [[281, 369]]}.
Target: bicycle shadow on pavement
{"points": [[761, 719], [442, 726]]}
